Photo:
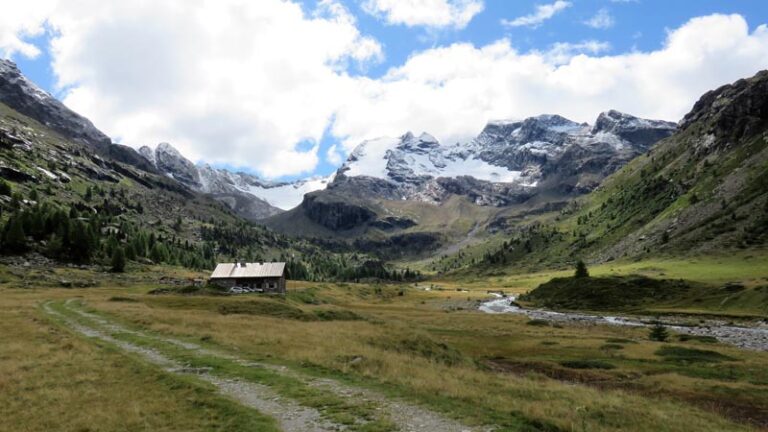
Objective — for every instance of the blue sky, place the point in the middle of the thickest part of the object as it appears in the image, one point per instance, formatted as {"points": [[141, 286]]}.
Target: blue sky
{"points": [[348, 89]]}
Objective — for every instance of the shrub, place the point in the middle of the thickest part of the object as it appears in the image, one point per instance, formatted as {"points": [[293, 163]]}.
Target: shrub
{"points": [[691, 355], [697, 338], [620, 341], [266, 308], [337, 315], [422, 346], [612, 347], [538, 323], [123, 299], [586, 364]]}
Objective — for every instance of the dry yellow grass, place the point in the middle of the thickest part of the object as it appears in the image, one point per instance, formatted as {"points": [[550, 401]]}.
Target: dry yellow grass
{"points": [[464, 388], [332, 344], [52, 380]]}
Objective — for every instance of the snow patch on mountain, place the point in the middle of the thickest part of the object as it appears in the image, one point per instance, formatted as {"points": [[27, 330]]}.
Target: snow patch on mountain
{"points": [[514, 155], [288, 195], [410, 157], [218, 181]]}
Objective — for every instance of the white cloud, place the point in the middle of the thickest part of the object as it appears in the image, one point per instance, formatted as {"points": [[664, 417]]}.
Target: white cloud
{"points": [[429, 13], [250, 85], [333, 156], [231, 81], [563, 52], [601, 20], [541, 14], [452, 91], [18, 23]]}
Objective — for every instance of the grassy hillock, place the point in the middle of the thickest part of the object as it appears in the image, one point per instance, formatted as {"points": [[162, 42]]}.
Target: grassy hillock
{"points": [[608, 293], [639, 293]]}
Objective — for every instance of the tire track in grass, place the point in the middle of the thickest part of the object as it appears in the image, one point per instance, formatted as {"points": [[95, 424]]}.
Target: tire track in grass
{"points": [[405, 416], [289, 415]]}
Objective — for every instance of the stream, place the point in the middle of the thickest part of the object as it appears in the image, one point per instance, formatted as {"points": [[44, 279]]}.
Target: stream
{"points": [[747, 337]]}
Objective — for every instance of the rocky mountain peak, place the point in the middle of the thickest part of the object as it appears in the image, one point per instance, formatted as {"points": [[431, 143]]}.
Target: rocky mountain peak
{"points": [[24, 96], [733, 111], [642, 133], [173, 164], [421, 144], [517, 156], [148, 153]]}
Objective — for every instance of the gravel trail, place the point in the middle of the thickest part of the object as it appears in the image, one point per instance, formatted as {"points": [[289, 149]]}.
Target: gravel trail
{"points": [[408, 417], [289, 415]]}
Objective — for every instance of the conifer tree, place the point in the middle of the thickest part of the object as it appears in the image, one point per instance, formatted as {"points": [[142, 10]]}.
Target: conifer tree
{"points": [[15, 240], [658, 332], [118, 260], [581, 270]]}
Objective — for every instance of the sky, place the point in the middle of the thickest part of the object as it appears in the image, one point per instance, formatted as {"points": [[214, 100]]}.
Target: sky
{"points": [[286, 89]]}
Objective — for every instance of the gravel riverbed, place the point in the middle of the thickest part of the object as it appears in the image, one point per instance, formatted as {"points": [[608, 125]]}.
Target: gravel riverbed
{"points": [[753, 336]]}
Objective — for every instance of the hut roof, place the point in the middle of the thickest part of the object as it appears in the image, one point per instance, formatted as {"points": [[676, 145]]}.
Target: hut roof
{"points": [[248, 270]]}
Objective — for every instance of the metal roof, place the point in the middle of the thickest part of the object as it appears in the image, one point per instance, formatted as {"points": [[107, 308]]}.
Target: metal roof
{"points": [[248, 270]]}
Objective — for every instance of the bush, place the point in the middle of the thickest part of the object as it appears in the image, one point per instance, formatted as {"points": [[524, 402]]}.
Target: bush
{"points": [[266, 308], [691, 355], [587, 364], [422, 346], [612, 347], [337, 315], [620, 341], [123, 299], [697, 338], [538, 323]]}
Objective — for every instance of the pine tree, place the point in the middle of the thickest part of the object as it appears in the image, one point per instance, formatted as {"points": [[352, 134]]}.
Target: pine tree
{"points": [[658, 332], [178, 224], [14, 240], [5, 188], [664, 237], [81, 242], [581, 270], [118, 260]]}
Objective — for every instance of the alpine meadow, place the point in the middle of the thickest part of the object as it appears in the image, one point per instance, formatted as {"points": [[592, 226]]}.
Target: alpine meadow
{"points": [[380, 216]]}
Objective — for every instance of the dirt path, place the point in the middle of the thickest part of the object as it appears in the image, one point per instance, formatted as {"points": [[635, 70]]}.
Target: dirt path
{"points": [[289, 415], [406, 416]]}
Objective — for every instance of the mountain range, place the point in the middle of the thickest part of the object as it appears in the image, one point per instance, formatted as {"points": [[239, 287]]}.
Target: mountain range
{"points": [[637, 183], [507, 163], [414, 187]]}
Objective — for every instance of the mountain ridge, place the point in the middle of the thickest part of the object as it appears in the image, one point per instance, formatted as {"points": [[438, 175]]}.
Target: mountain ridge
{"points": [[509, 163]]}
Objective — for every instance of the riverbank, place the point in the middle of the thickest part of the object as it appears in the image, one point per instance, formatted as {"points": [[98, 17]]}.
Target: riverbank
{"points": [[752, 337]]}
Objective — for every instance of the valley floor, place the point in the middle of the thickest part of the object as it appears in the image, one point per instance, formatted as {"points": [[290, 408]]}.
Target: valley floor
{"points": [[352, 357]]}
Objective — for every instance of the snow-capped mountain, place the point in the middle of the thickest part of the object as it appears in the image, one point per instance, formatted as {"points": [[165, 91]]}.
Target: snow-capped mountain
{"points": [[508, 161], [247, 194]]}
